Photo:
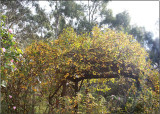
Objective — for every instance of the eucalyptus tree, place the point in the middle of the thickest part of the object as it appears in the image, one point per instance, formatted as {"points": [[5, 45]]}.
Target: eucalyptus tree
{"points": [[64, 14], [17, 17], [21, 18], [92, 9], [120, 22], [154, 52]]}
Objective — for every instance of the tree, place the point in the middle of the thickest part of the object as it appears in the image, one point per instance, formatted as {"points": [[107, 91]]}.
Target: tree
{"points": [[64, 13], [74, 58], [92, 9], [21, 20], [120, 22], [154, 52], [17, 15]]}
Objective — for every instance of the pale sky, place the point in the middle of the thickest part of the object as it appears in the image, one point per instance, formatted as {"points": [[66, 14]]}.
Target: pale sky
{"points": [[142, 13]]}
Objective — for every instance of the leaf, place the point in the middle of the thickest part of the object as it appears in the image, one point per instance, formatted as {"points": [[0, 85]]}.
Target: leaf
{"points": [[94, 73], [4, 83], [19, 51], [66, 75], [119, 71]]}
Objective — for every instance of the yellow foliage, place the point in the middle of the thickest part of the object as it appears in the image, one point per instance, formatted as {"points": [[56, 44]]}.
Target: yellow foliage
{"points": [[77, 54]]}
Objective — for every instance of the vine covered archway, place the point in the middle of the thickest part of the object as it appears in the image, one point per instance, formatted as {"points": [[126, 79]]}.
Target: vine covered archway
{"points": [[74, 58]]}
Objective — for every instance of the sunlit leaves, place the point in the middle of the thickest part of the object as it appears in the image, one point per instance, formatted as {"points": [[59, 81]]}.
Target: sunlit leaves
{"points": [[45, 66], [75, 54]]}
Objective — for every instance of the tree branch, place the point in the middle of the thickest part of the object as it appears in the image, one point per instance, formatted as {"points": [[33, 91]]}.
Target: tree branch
{"points": [[51, 96], [80, 85]]}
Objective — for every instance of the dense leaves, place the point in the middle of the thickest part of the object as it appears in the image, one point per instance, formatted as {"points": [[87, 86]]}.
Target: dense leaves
{"points": [[73, 58], [71, 71]]}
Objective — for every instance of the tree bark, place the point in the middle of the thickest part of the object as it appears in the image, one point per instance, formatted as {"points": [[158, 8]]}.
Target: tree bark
{"points": [[63, 94], [76, 91], [57, 21], [33, 102]]}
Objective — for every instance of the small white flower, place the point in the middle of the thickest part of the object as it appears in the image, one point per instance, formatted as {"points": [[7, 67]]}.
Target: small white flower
{"points": [[76, 76]]}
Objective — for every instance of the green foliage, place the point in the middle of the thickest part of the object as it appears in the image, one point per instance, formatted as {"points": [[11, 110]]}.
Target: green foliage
{"points": [[9, 52], [10, 57], [25, 24], [32, 22], [109, 67]]}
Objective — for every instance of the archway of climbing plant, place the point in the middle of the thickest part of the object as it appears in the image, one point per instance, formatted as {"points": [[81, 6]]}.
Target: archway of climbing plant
{"points": [[74, 58]]}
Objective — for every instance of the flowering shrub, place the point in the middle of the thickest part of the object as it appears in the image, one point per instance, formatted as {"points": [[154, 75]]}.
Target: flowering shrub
{"points": [[10, 54]]}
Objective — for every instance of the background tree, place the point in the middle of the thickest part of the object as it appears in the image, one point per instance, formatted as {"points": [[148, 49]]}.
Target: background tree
{"points": [[21, 19], [92, 9], [64, 12]]}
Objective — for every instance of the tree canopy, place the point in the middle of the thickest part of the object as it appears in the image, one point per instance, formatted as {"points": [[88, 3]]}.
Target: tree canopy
{"points": [[100, 55], [76, 58]]}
